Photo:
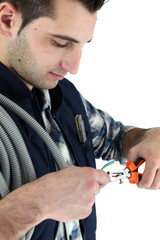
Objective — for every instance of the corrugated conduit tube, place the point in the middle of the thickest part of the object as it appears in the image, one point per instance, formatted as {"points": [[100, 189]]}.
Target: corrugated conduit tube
{"points": [[16, 167]]}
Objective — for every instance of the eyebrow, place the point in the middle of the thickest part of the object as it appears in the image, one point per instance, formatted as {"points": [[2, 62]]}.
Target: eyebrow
{"points": [[64, 37]]}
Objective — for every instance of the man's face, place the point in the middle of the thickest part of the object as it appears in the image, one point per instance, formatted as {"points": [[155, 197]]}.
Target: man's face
{"points": [[46, 50]]}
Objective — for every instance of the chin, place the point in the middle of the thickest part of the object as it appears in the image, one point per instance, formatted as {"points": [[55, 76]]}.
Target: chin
{"points": [[50, 85]]}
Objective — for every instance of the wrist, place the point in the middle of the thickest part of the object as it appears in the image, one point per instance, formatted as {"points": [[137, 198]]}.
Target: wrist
{"points": [[132, 138], [153, 134]]}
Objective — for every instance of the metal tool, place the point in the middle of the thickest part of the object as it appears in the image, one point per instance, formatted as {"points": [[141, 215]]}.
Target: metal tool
{"points": [[130, 172]]}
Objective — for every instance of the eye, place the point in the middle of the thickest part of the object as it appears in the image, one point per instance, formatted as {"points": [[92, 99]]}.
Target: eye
{"points": [[59, 45]]}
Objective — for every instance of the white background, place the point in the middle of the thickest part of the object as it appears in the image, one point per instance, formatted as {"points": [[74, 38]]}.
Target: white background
{"points": [[120, 73]]}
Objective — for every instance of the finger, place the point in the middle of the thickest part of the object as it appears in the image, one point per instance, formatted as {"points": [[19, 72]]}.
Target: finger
{"points": [[102, 178], [147, 177], [156, 183], [97, 189]]}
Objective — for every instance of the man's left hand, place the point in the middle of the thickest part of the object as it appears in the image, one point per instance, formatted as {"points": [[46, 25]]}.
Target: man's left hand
{"points": [[149, 150]]}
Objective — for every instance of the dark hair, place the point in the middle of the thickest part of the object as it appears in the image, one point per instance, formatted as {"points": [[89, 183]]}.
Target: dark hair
{"points": [[33, 9]]}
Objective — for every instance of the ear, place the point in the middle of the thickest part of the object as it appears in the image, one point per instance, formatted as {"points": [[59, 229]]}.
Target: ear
{"points": [[8, 15]]}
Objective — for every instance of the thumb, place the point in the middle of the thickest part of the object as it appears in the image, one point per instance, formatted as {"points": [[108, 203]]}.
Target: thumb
{"points": [[102, 178]]}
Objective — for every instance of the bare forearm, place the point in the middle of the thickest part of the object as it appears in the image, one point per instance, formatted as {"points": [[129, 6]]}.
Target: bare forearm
{"points": [[18, 214], [132, 138]]}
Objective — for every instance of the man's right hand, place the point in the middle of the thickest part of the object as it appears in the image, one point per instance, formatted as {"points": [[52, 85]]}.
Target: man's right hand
{"points": [[66, 195], [69, 194]]}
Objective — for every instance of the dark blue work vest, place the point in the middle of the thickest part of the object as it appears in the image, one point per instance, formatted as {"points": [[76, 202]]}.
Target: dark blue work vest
{"points": [[64, 112], [66, 104]]}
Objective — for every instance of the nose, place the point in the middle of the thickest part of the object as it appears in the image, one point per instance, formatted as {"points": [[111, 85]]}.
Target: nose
{"points": [[71, 61]]}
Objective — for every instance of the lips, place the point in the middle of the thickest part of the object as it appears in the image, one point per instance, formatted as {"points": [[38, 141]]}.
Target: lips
{"points": [[56, 76]]}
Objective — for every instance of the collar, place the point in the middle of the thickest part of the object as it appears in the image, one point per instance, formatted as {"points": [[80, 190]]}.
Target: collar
{"points": [[12, 87], [45, 98]]}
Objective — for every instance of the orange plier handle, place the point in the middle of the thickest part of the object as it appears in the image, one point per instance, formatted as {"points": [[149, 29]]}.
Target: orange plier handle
{"points": [[133, 168]]}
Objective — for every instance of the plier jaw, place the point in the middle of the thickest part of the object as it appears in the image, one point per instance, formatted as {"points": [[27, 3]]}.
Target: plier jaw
{"points": [[119, 175], [130, 172]]}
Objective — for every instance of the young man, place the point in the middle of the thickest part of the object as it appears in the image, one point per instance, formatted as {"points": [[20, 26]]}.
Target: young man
{"points": [[40, 42]]}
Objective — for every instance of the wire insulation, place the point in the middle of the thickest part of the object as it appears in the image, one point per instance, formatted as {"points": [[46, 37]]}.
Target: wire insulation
{"points": [[108, 164]]}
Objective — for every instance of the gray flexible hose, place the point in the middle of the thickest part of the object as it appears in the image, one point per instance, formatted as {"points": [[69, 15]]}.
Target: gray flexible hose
{"points": [[16, 165], [15, 162]]}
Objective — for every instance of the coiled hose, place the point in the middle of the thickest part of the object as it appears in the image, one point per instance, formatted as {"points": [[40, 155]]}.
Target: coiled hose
{"points": [[16, 167]]}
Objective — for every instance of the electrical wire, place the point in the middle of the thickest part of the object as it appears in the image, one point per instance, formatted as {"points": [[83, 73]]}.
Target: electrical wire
{"points": [[108, 164]]}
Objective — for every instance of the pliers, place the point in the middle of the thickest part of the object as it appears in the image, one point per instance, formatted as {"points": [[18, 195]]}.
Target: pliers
{"points": [[130, 172]]}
